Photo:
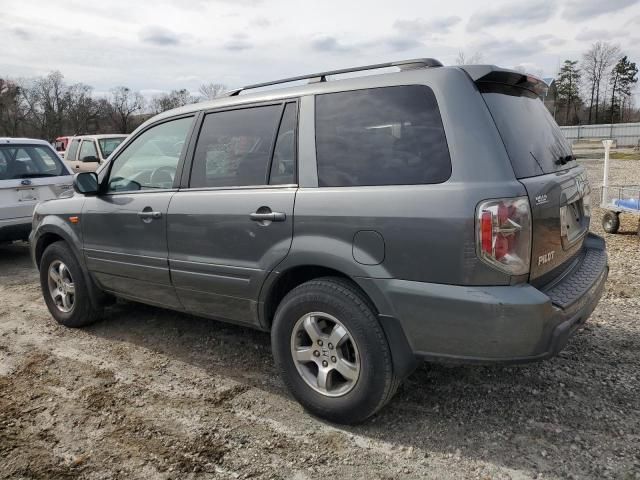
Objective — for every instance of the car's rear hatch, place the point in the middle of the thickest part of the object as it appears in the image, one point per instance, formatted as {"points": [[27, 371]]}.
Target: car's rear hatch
{"points": [[558, 189], [29, 174]]}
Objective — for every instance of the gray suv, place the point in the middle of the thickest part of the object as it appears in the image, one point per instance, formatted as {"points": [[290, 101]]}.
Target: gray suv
{"points": [[367, 222]]}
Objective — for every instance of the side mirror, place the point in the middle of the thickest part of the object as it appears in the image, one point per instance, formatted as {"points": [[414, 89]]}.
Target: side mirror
{"points": [[86, 183], [90, 159]]}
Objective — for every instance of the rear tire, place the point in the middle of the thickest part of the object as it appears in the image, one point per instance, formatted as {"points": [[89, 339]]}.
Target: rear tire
{"points": [[611, 222], [312, 367], [65, 289]]}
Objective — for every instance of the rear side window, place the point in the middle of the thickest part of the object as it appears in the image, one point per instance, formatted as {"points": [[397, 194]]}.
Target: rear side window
{"points": [[380, 136], [29, 162], [533, 140], [234, 147], [283, 165]]}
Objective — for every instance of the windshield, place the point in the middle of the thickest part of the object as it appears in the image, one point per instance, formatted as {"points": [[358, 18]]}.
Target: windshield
{"points": [[533, 140], [29, 161], [108, 145]]}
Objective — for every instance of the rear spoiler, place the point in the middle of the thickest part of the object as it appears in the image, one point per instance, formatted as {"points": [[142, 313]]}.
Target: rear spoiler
{"points": [[485, 74]]}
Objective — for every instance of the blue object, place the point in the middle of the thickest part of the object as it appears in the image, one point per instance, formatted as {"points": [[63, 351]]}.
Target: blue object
{"points": [[632, 203]]}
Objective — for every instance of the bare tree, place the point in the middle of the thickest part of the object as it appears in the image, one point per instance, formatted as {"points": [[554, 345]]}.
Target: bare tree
{"points": [[209, 91], [124, 103], [11, 108], [173, 99], [82, 109], [463, 59], [45, 103], [595, 65]]}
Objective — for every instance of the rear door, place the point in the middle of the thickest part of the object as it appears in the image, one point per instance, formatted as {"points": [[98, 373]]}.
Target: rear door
{"points": [[234, 222], [28, 174], [124, 227], [71, 156], [542, 160]]}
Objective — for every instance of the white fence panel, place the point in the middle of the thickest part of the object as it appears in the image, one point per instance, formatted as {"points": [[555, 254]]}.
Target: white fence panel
{"points": [[625, 134]]}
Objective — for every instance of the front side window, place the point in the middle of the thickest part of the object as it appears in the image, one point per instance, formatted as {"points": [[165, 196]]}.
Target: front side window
{"points": [[29, 162], [380, 136], [88, 151], [151, 160], [234, 147], [73, 150]]}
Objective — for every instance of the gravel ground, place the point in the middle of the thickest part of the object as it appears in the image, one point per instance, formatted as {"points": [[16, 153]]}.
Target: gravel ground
{"points": [[152, 394]]}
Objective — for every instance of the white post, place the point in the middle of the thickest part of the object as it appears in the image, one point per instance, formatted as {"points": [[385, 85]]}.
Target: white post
{"points": [[605, 181]]}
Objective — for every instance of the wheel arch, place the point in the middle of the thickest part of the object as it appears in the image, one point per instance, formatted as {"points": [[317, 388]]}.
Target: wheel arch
{"points": [[279, 283]]}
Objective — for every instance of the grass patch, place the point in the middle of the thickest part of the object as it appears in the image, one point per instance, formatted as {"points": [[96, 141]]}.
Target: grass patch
{"points": [[625, 155]]}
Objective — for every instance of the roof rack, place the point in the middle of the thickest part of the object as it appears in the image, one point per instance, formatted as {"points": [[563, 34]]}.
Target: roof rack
{"points": [[322, 76]]}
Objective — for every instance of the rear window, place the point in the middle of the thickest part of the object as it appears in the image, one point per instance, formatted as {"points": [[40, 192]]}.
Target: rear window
{"points": [[380, 136], [533, 140], [20, 161]]}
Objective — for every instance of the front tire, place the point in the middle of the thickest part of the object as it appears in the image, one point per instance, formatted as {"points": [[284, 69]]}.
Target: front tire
{"points": [[64, 287], [332, 352]]}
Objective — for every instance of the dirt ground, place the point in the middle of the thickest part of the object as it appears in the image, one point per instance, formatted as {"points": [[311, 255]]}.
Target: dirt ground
{"points": [[152, 394]]}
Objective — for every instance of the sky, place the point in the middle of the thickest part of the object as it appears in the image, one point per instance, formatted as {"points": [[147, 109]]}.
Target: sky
{"points": [[156, 46]]}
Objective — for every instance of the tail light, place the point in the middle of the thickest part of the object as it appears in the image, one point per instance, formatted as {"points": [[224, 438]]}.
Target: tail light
{"points": [[503, 236]]}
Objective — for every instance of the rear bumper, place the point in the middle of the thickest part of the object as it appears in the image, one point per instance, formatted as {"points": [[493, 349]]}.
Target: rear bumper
{"points": [[504, 324], [15, 229]]}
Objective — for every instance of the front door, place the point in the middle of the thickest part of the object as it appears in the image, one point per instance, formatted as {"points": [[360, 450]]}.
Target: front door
{"points": [[88, 158], [124, 227], [234, 222]]}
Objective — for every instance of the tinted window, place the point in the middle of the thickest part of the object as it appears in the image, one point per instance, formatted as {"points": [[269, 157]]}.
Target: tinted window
{"points": [[88, 149], [73, 149], [381, 136], [283, 166], [29, 162], [234, 147], [534, 141], [151, 160], [108, 145]]}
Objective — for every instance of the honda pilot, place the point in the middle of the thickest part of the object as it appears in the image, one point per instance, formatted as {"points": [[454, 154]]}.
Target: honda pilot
{"points": [[429, 213]]}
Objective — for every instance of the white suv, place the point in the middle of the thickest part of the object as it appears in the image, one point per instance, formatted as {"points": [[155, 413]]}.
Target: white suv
{"points": [[30, 171], [87, 152]]}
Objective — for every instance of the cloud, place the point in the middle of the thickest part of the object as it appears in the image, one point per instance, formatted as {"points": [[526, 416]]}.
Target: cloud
{"points": [[586, 9], [237, 45], [522, 13], [420, 27], [550, 40], [508, 49], [399, 44], [260, 22], [21, 33], [157, 35], [598, 34], [331, 44]]}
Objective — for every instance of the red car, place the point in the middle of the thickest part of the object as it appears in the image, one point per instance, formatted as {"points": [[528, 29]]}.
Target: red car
{"points": [[61, 145]]}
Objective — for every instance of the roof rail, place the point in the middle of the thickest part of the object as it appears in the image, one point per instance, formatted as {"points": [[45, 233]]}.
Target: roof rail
{"points": [[322, 76]]}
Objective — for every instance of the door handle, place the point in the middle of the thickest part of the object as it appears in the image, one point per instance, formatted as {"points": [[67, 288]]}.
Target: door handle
{"points": [[268, 217], [148, 214]]}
